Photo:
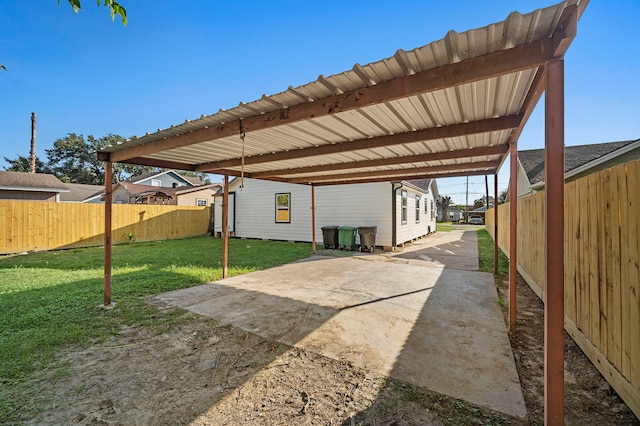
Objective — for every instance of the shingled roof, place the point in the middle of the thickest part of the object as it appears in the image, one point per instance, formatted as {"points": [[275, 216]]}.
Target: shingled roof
{"points": [[574, 157], [31, 182]]}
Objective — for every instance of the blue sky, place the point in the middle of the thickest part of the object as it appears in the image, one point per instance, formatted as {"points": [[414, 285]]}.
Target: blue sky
{"points": [[178, 60]]}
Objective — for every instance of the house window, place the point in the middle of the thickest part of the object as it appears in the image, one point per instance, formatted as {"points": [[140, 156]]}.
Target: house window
{"points": [[404, 207], [283, 208], [201, 202], [156, 182], [433, 212], [417, 209]]}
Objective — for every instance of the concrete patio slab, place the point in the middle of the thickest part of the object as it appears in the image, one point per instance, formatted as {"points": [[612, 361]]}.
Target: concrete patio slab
{"points": [[434, 327]]}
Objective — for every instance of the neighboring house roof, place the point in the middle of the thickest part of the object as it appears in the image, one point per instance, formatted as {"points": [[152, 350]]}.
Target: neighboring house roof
{"points": [[135, 189], [80, 192], [41, 182], [426, 185], [191, 180], [577, 158]]}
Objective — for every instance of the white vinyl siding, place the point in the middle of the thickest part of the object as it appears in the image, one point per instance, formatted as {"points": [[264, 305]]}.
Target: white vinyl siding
{"points": [[353, 205], [415, 226]]}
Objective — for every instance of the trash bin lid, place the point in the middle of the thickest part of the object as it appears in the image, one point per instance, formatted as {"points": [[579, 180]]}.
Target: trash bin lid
{"points": [[349, 228], [367, 228]]}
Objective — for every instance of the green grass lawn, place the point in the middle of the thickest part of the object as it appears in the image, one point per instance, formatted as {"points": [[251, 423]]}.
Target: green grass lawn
{"points": [[444, 226], [51, 300], [485, 256]]}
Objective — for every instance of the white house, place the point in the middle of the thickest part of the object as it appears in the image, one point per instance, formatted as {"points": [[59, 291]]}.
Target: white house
{"points": [[401, 211]]}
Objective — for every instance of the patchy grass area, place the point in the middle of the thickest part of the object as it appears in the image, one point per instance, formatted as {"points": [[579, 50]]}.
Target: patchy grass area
{"points": [[51, 300], [485, 256], [444, 226]]}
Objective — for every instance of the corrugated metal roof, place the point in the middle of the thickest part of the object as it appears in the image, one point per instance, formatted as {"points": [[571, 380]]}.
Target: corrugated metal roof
{"points": [[213, 144]]}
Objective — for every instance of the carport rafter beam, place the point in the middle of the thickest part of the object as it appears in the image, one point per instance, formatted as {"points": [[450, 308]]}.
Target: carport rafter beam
{"points": [[403, 177], [434, 156], [493, 64], [461, 129], [165, 164], [393, 174]]}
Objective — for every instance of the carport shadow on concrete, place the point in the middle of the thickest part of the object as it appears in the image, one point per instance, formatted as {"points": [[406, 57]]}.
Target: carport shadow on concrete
{"points": [[454, 250], [440, 329]]}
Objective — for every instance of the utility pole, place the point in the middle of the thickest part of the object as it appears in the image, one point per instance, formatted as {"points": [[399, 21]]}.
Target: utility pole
{"points": [[486, 187], [32, 158], [466, 204]]}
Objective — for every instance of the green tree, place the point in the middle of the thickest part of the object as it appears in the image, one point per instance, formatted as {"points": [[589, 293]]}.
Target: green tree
{"points": [[116, 8], [74, 159], [21, 164], [445, 202], [503, 196]]}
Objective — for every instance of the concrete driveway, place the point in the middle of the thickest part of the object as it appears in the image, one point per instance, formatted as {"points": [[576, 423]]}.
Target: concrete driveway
{"points": [[422, 314]]}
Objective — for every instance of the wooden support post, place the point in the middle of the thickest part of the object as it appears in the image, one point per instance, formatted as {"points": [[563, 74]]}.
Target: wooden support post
{"points": [[513, 234], [225, 227], [313, 219], [554, 249], [495, 224], [108, 201]]}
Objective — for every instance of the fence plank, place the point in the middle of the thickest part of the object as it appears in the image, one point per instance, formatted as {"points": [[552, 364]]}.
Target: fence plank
{"points": [[632, 291], [615, 312], [624, 272], [594, 270], [583, 252], [570, 235]]}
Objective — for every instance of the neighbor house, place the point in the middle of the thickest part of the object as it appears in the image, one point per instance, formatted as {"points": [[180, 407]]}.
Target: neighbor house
{"points": [[132, 193], [30, 186], [454, 214], [401, 211], [165, 179], [82, 193], [579, 161]]}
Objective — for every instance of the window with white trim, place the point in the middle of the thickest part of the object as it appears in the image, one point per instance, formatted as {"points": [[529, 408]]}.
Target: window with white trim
{"points": [[417, 209], [201, 202], [403, 194], [283, 207]]}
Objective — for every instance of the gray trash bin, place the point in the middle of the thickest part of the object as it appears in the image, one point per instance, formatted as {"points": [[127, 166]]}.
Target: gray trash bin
{"points": [[367, 238], [330, 237]]}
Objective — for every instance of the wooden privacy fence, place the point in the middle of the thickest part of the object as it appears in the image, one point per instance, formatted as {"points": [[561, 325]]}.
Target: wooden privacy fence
{"points": [[602, 277], [39, 225]]}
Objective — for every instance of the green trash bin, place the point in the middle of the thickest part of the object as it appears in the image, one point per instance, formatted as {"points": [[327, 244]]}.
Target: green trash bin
{"points": [[347, 237]]}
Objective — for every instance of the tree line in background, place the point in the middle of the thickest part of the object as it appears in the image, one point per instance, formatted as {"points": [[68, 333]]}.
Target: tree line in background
{"points": [[74, 159]]}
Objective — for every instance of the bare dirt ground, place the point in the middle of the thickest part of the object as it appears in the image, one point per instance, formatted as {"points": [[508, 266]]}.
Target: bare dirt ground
{"points": [[196, 371]]}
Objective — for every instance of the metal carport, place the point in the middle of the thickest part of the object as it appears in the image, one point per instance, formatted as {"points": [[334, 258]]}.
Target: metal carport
{"points": [[454, 107]]}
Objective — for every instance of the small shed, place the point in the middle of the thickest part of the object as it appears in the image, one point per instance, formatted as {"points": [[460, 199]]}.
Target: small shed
{"points": [[30, 186]]}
